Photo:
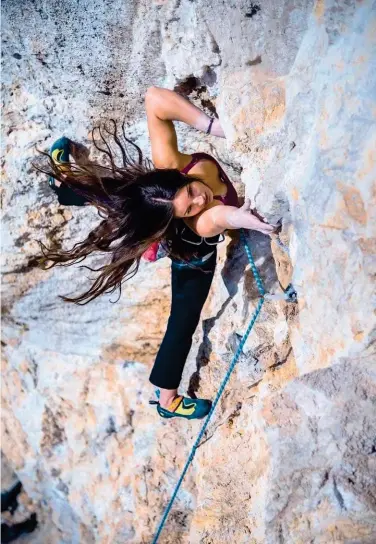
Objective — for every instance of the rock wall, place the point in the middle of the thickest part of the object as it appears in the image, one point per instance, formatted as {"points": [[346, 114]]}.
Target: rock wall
{"points": [[290, 454]]}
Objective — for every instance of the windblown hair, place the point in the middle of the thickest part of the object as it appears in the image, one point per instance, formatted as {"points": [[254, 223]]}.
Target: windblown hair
{"points": [[135, 202]]}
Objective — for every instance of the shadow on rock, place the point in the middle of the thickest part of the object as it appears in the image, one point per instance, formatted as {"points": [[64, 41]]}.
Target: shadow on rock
{"points": [[204, 350], [233, 270], [237, 261]]}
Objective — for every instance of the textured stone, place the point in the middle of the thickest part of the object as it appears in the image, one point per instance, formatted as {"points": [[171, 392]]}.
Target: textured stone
{"points": [[290, 453]]}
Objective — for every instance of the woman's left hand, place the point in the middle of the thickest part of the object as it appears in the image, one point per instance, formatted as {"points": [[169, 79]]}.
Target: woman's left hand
{"points": [[203, 123], [216, 129]]}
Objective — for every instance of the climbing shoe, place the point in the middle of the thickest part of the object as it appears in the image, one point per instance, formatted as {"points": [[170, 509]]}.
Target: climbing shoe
{"points": [[60, 151], [184, 407]]}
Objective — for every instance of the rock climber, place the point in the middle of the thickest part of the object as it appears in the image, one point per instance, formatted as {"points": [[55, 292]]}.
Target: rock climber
{"points": [[179, 205]]}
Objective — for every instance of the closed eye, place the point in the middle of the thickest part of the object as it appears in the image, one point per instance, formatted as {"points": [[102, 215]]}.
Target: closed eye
{"points": [[189, 192]]}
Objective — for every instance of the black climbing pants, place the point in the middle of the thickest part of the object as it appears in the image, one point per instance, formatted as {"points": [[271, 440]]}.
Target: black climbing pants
{"points": [[190, 288]]}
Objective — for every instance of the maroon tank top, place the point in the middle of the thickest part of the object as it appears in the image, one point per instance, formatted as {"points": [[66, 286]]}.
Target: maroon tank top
{"points": [[231, 197]]}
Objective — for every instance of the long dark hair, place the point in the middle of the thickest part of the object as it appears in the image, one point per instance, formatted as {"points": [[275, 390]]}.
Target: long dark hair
{"points": [[135, 202]]}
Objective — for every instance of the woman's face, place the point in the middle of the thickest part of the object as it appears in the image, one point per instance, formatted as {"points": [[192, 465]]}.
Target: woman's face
{"points": [[192, 199]]}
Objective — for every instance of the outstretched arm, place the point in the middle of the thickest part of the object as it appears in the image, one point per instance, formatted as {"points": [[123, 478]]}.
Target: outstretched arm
{"points": [[171, 106], [218, 218]]}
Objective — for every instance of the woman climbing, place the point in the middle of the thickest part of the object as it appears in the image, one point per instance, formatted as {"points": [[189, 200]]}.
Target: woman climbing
{"points": [[180, 205]]}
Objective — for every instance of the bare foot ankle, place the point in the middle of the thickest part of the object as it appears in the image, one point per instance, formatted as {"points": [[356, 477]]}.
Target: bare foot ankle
{"points": [[80, 153]]}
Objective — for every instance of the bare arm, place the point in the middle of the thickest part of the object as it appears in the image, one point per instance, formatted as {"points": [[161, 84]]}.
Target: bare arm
{"points": [[171, 106], [218, 218]]}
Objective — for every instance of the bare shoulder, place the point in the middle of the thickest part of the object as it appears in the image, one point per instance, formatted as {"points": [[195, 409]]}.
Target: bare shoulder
{"points": [[202, 223]]}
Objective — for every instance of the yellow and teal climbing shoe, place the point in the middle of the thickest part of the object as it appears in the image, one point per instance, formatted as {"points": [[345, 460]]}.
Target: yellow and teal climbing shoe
{"points": [[60, 151], [184, 407]]}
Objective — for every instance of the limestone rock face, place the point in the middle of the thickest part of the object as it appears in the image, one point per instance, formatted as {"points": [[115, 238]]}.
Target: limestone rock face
{"points": [[290, 454]]}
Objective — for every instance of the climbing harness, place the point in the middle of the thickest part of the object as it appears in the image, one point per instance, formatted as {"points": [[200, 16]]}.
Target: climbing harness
{"points": [[263, 297]]}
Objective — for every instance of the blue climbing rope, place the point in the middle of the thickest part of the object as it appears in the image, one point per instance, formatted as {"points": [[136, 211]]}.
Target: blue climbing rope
{"points": [[222, 386]]}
